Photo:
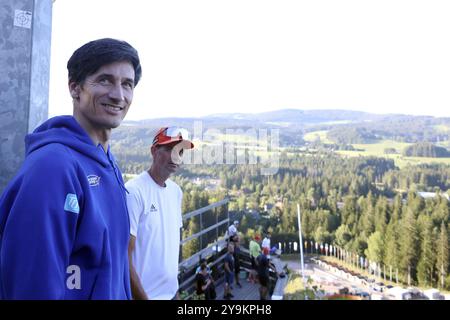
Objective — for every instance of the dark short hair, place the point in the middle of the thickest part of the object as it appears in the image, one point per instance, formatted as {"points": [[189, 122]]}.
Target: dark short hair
{"points": [[90, 57]]}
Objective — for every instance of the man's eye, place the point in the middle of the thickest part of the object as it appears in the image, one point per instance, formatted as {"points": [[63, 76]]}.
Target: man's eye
{"points": [[104, 81], [129, 85]]}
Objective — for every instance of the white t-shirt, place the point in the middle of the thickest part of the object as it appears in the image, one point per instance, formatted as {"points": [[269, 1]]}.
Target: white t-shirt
{"points": [[232, 230], [266, 243], [155, 221]]}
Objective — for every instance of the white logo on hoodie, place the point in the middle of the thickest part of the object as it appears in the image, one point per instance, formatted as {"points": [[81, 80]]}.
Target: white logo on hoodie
{"points": [[93, 180]]}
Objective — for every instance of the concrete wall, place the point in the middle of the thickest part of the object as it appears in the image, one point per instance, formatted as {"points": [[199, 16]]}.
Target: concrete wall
{"points": [[25, 40]]}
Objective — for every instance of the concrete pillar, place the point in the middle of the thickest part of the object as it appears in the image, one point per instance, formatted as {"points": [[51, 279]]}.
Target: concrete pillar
{"points": [[25, 40]]}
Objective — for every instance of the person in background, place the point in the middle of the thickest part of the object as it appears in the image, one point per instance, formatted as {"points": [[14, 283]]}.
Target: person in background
{"points": [[229, 271], [205, 283], [266, 241], [237, 261], [203, 261], [264, 266], [232, 229], [64, 225], [255, 251], [154, 206]]}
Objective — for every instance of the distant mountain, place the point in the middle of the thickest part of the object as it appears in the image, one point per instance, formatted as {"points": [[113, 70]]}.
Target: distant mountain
{"points": [[280, 118], [303, 116], [343, 126]]}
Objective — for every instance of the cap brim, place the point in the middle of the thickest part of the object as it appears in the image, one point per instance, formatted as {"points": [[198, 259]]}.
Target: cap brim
{"points": [[185, 144]]}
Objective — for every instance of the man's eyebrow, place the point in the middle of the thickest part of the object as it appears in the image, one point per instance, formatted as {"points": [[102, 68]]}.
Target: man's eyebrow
{"points": [[129, 80], [108, 75], [111, 76]]}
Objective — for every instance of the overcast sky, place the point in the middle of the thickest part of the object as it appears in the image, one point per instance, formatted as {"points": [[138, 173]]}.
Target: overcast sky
{"points": [[204, 56]]}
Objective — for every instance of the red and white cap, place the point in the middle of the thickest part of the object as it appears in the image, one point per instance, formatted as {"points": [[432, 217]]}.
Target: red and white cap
{"points": [[168, 135]]}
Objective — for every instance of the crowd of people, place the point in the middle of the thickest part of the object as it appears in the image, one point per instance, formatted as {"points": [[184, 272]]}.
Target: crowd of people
{"points": [[259, 273]]}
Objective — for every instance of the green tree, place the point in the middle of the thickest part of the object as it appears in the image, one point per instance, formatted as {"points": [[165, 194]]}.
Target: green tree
{"points": [[441, 212], [392, 252], [243, 225], [322, 236], [442, 258], [375, 247], [426, 262], [342, 236], [192, 246], [350, 211], [409, 242], [381, 215]]}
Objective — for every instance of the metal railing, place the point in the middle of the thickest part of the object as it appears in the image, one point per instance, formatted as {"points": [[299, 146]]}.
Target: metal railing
{"points": [[218, 240], [214, 252]]}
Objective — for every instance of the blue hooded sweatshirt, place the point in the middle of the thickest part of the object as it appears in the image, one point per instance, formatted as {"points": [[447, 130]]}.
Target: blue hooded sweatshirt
{"points": [[64, 226]]}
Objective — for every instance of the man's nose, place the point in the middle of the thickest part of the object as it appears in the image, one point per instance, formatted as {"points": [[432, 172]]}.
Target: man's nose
{"points": [[117, 93]]}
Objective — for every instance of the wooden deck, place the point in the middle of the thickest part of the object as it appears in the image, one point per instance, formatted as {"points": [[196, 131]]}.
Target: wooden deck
{"points": [[249, 291]]}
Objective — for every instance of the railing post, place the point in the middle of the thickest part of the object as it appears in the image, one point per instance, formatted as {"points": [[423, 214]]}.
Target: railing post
{"points": [[201, 228], [228, 216], [217, 229]]}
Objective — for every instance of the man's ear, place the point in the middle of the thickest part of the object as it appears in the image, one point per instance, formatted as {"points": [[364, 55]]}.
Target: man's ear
{"points": [[153, 150], [74, 89]]}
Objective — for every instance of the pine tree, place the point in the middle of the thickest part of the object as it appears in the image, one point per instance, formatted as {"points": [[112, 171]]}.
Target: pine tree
{"points": [[409, 242], [368, 216], [375, 247], [426, 262], [381, 215], [350, 212], [397, 208], [391, 258], [441, 212], [285, 221], [192, 246], [342, 236], [243, 225], [442, 257]]}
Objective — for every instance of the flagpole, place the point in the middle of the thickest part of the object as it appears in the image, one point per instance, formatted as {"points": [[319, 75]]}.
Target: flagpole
{"points": [[301, 246]]}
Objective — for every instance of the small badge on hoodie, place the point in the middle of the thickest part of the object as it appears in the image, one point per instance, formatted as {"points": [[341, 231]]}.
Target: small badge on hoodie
{"points": [[71, 203], [93, 180]]}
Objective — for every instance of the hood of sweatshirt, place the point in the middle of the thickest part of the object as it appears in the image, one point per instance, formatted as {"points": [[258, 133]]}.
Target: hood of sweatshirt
{"points": [[67, 131]]}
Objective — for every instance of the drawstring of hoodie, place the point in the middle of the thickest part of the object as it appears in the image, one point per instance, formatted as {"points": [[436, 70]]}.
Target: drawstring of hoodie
{"points": [[116, 169]]}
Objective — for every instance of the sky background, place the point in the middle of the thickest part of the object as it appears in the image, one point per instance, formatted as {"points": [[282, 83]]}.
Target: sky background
{"points": [[202, 57]]}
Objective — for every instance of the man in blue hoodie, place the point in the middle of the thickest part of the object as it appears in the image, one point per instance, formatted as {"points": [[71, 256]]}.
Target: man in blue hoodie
{"points": [[64, 226]]}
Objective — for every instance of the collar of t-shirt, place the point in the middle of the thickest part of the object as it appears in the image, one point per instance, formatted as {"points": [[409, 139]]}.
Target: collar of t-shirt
{"points": [[155, 183]]}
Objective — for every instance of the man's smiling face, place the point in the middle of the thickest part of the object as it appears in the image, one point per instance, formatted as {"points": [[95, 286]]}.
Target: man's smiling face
{"points": [[103, 99]]}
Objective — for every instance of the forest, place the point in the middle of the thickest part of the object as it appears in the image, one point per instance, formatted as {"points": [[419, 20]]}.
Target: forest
{"points": [[426, 149], [363, 205], [397, 217]]}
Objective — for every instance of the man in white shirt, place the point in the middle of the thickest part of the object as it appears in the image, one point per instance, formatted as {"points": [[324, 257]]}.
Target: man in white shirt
{"points": [[266, 241], [154, 206], [232, 229]]}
